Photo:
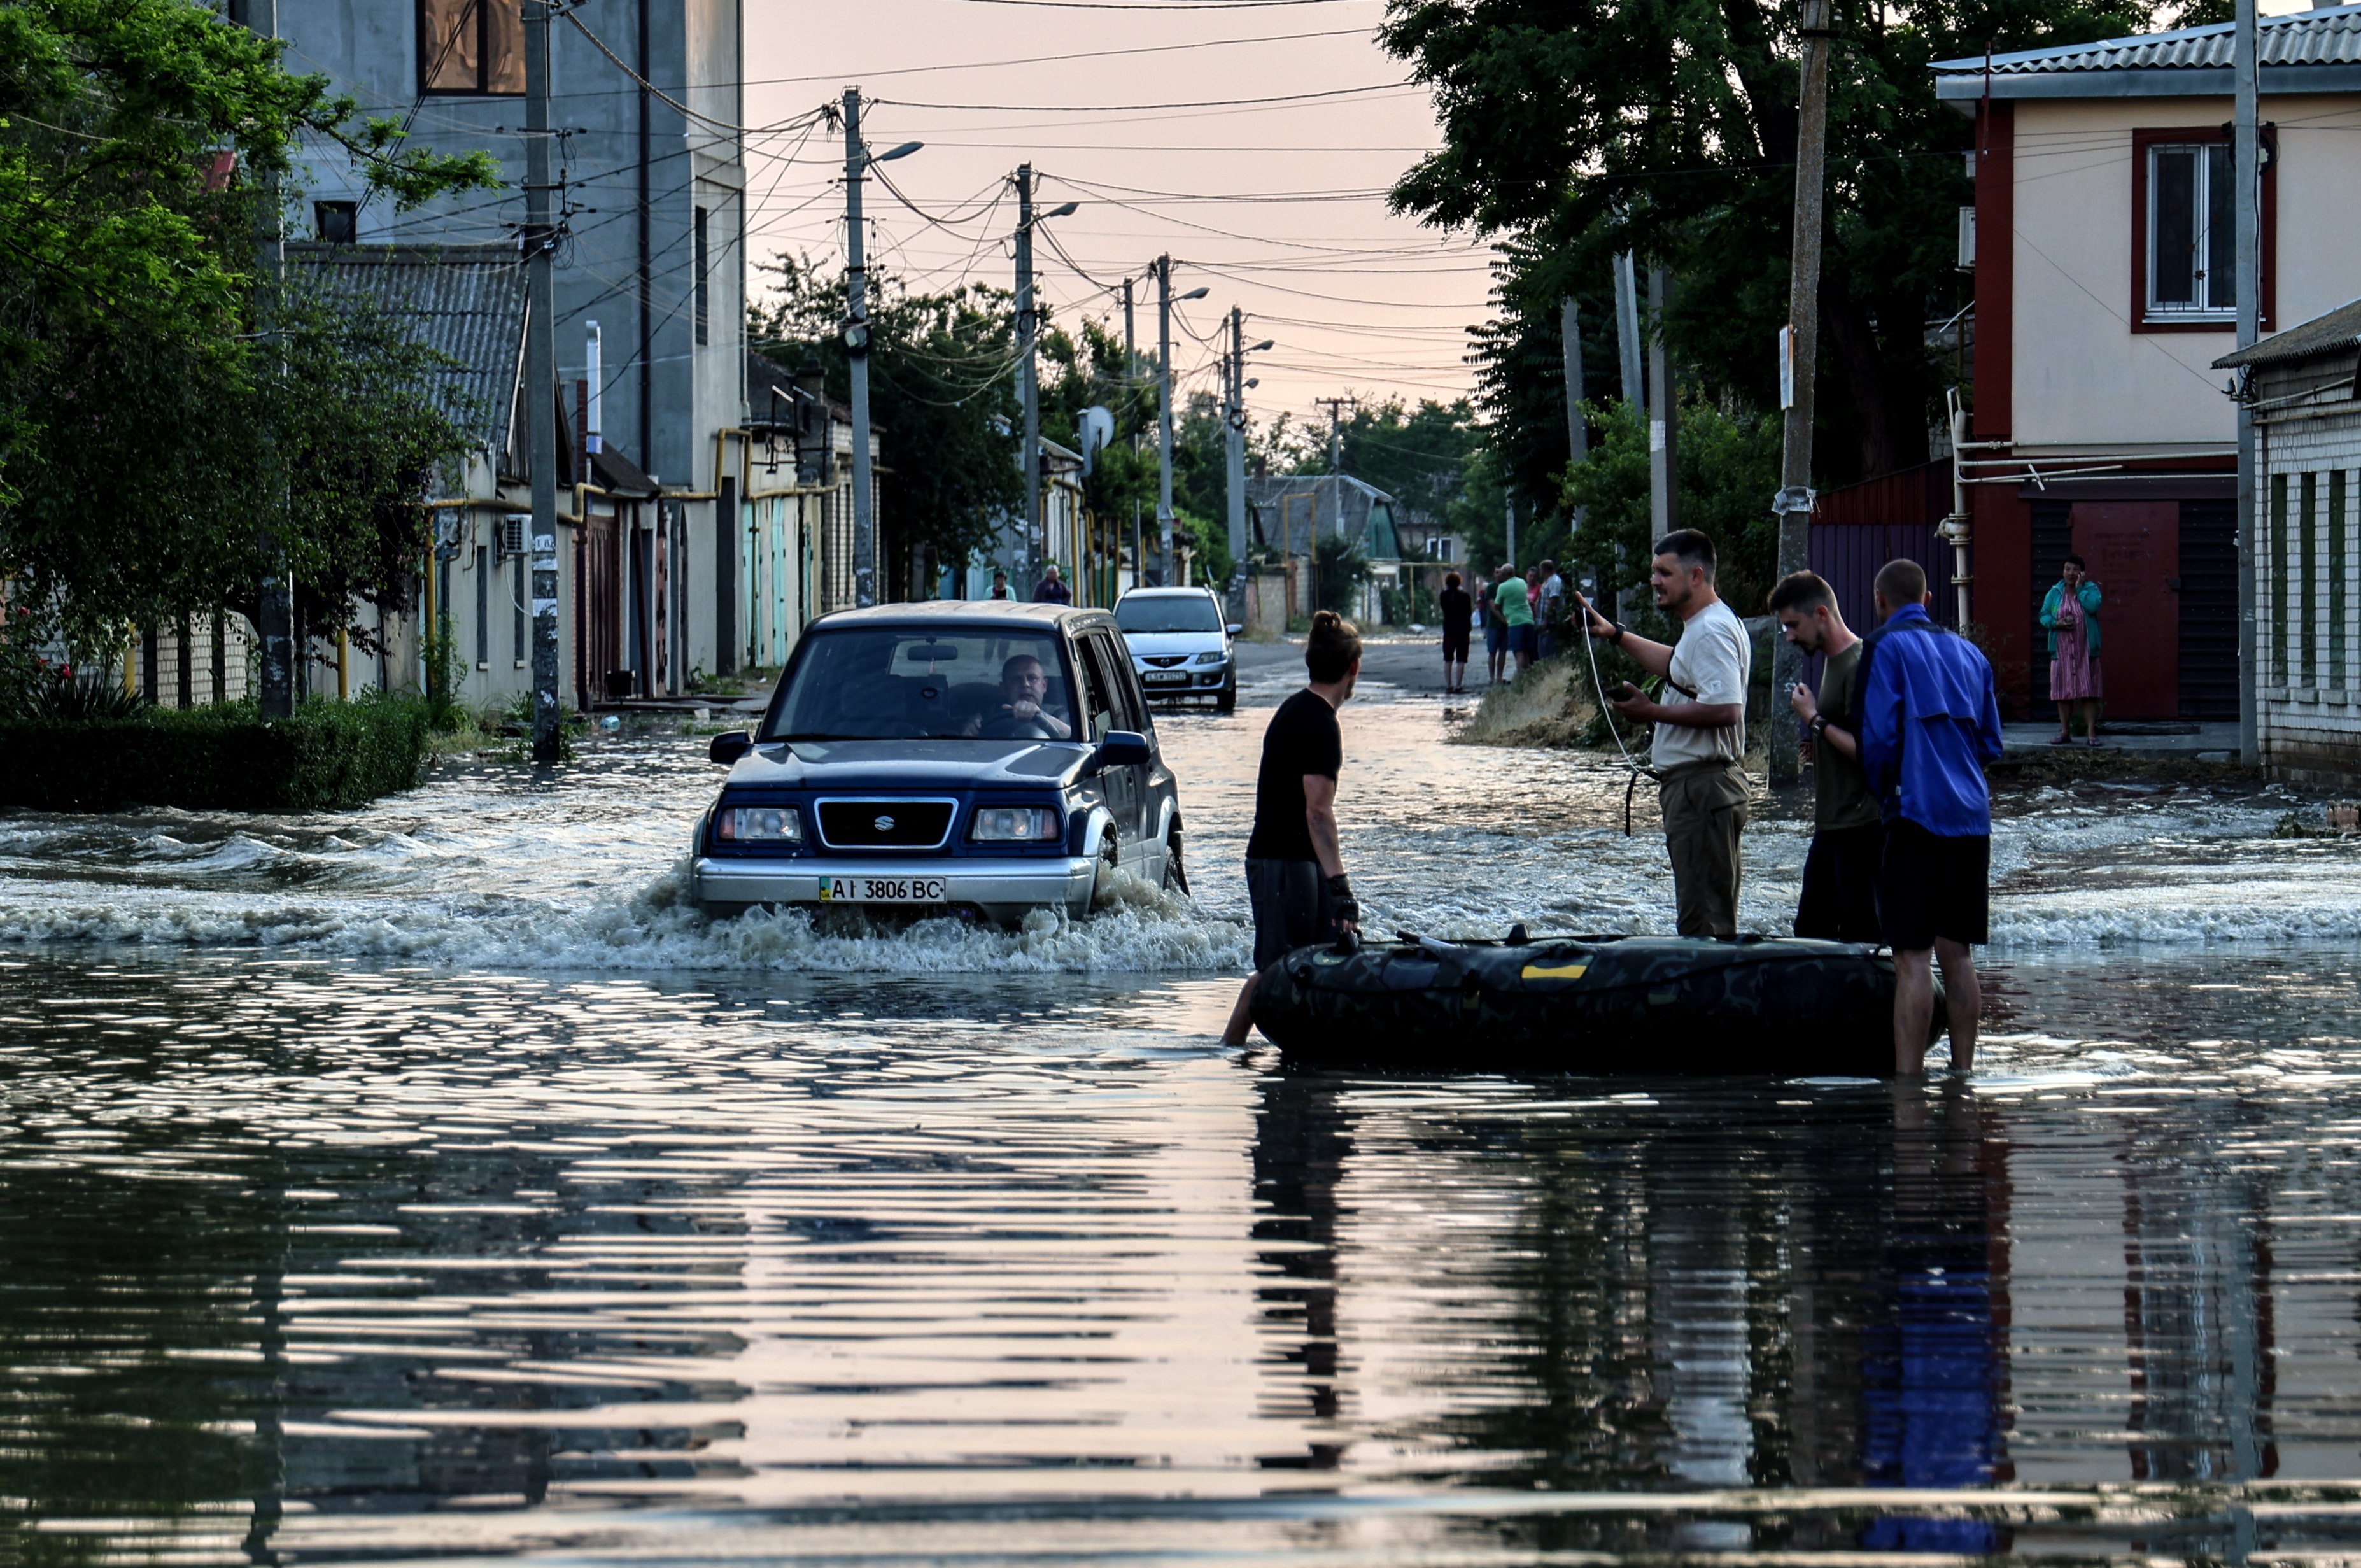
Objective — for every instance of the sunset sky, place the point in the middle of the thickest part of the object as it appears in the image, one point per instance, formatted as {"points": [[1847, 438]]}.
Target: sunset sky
{"points": [[1279, 208]]}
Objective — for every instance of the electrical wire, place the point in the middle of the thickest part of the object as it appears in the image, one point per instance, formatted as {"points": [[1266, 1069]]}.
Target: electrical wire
{"points": [[1127, 108]]}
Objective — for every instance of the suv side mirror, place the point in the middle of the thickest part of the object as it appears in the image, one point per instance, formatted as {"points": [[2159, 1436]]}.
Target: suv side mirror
{"points": [[729, 746], [1122, 749], [1235, 627]]}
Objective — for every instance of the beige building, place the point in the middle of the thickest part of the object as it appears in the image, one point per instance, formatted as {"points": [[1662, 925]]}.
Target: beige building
{"points": [[2101, 247]]}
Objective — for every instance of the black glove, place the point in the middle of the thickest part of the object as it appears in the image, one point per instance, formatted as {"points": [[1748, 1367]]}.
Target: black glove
{"points": [[1341, 902]]}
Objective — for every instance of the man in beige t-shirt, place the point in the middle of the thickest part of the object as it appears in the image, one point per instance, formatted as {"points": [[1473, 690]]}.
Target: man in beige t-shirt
{"points": [[1700, 728]]}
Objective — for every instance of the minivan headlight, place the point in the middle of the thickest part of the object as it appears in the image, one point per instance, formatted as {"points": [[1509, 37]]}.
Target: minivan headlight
{"points": [[1215, 657], [1015, 825], [758, 824]]}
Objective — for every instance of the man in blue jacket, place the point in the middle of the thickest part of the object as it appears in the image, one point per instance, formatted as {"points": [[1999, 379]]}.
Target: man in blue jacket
{"points": [[1929, 722]]}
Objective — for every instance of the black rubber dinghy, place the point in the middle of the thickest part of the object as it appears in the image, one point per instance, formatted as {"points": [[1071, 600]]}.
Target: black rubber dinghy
{"points": [[1630, 1005]]}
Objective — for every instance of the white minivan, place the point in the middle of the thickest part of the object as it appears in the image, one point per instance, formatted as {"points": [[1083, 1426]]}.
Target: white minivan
{"points": [[1180, 644]]}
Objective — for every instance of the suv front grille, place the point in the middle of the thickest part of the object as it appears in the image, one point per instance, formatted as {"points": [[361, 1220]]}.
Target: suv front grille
{"points": [[886, 824]]}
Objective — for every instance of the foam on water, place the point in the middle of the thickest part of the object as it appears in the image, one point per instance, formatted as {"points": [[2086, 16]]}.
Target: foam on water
{"points": [[491, 864]]}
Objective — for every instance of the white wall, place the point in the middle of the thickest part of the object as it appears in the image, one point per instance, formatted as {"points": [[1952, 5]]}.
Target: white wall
{"points": [[2083, 378]]}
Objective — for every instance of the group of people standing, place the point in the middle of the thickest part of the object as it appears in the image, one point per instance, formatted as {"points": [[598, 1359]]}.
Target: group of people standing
{"points": [[1519, 616], [1898, 735]]}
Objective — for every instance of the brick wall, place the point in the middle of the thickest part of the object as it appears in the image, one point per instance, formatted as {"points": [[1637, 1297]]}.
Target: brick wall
{"points": [[2308, 593]]}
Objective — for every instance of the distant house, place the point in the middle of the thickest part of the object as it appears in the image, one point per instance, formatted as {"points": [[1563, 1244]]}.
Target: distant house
{"points": [[2104, 288], [792, 494], [1092, 552], [1288, 514], [2307, 546]]}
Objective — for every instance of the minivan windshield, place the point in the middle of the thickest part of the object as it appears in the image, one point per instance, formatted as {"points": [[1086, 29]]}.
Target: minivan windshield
{"points": [[1167, 612], [895, 683]]}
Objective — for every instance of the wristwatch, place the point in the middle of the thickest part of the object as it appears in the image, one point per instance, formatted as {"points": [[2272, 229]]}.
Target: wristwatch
{"points": [[1618, 638], [1819, 722]]}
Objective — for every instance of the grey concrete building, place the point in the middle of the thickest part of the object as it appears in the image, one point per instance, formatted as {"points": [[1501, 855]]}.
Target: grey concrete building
{"points": [[647, 96]]}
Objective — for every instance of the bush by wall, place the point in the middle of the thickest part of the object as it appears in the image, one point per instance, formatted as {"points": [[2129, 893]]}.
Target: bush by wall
{"points": [[225, 758]]}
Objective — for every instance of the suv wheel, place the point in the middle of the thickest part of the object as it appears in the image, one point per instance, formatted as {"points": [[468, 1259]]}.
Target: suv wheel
{"points": [[1175, 875], [1110, 862]]}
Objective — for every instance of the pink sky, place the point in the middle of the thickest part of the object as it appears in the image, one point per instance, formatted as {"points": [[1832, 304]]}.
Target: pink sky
{"points": [[1359, 303]]}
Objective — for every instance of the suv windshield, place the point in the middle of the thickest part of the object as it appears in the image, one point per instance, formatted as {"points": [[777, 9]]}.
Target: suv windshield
{"points": [[880, 684], [1167, 612]]}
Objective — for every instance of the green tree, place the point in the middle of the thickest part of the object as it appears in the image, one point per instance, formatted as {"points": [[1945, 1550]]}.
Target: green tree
{"points": [[943, 391], [152, 432], [1728, 462], [1574, 129]]}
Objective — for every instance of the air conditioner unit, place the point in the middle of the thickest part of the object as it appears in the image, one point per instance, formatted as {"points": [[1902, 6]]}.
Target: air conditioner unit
{"points": [[512, 533], [1967, 239]]}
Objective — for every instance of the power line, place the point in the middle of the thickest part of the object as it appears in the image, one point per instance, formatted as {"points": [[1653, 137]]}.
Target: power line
{"points": [[1127, 108]]}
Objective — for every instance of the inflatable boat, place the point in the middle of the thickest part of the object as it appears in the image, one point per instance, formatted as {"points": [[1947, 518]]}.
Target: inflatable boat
{"points": [[1587, 1005]]}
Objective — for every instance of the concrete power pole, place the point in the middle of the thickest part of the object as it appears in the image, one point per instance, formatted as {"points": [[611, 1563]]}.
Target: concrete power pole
{"points": [[541, 385], [1577, 429], [1663, 413], [2245, 162], [1800, 349], [1627, 332], [275, 602], [1233, 434], [1028, 379], [1163, 419], [856, 344]]}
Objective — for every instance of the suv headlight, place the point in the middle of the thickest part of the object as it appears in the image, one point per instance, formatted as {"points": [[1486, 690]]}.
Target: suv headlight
{"points": [[758, 824], [1215, 657], [1015, 825]]}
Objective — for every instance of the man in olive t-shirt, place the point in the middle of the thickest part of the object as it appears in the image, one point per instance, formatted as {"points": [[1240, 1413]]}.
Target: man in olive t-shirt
{"points": [[1839, 897]]}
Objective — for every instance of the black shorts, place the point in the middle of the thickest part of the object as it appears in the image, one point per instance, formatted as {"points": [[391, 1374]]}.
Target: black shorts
{"points": [[1455, 643], [1839, 900], [1290, 899], [1929, 886]]}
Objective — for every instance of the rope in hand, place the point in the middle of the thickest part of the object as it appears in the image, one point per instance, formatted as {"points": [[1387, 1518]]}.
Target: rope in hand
{"points": [[1599, 685]]}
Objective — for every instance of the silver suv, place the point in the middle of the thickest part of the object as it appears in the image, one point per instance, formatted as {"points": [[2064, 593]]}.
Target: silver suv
{"points": [[1180, 644], [982, 757]]}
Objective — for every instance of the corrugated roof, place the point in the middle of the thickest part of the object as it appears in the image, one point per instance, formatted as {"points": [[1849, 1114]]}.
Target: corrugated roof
{"points": [[466, 302], [2337, 331], [2289, 47]]}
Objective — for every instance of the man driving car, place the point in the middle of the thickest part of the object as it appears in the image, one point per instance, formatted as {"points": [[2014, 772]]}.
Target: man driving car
{"points": [[1020, 716]]}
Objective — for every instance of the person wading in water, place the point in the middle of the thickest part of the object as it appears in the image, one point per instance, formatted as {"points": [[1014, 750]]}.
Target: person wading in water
{"points": [[1295, 867]]}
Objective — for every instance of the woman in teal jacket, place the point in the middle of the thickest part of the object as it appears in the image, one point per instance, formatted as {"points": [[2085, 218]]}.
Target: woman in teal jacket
{"points": [[2072, 614]]}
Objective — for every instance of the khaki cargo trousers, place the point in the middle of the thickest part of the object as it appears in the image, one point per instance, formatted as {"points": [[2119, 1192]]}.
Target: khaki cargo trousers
{"points": [[1704, 804]]}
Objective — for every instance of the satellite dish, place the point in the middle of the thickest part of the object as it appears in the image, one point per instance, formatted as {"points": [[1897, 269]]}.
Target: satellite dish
{"points": [[1094, 430]]}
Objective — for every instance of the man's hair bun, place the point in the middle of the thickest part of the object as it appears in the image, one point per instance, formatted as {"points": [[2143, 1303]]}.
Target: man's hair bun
{"points": [[1334, 647]]}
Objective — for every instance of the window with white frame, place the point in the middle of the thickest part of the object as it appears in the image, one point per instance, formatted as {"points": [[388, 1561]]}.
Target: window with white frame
{"points": [[2192, 265]]}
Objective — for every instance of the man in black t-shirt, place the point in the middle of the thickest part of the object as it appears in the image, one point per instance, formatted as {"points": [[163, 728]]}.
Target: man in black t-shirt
{"points": [[1295, 866]]}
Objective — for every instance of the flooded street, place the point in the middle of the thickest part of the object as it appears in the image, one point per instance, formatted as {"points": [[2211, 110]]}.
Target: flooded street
{"points": [[427, 1182]]}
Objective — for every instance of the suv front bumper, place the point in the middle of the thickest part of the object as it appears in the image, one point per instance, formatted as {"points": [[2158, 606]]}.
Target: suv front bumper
{"points": [[729, 885]]}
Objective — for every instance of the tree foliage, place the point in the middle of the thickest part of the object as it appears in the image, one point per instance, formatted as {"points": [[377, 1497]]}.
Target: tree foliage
{"points": [[1575, 130], [942, 393], [153, 436]]}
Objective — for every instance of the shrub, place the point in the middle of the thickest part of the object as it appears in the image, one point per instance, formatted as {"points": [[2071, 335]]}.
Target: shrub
{"points": [[225, 758]]}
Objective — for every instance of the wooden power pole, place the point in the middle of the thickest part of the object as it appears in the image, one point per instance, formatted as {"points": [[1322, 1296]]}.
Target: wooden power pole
{"points": [[1799, 353]]}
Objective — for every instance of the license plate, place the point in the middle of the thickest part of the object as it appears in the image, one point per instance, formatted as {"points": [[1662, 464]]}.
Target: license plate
{"points": [[1167, 677], [882, 890]]}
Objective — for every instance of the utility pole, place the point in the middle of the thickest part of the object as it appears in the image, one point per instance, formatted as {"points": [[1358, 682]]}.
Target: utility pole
{"points": [[1164, 412], [1799, 352], [1130, 354], [1234, 434], [2245, 164], [1163, 420], [1511, 538], [541, 385], [1337, 407], [275, 603], [1577, 429], [856, 344], [1027, 372], [1663, 413], [1627, 332]]}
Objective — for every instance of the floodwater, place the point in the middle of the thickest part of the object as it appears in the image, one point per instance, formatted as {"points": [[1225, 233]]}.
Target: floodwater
{"points": [[423, 1182]]}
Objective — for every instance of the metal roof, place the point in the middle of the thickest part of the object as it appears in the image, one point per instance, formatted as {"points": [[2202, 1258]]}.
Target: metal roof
{"points": [[2337, 331], [2305, 51], [466, 302]]}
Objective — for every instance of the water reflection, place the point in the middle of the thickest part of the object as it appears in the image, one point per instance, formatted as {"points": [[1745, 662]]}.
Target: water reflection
{"points": [[328, 1261]]}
